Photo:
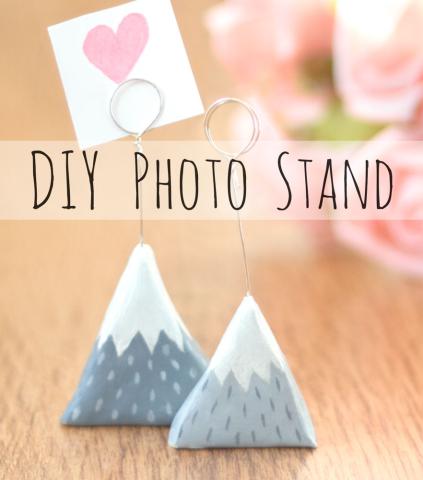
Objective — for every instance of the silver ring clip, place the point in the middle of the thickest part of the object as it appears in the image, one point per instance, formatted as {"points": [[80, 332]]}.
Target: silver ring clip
{"points": [[114, 101], [255, 124]]}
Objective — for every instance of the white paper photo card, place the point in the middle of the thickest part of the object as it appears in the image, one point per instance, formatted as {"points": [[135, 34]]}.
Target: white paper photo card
{"points": [[97, 51]]}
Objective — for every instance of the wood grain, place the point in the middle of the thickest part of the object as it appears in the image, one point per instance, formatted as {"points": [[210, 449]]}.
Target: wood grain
{"points": [[352, 334]]}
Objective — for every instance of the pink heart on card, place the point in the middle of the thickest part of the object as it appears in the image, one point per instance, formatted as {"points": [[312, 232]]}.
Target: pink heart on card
{"points": [[115, 54]]}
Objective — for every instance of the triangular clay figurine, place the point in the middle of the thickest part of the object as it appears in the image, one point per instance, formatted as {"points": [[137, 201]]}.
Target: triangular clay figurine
{"points": [[248, 396], [144, 362]]}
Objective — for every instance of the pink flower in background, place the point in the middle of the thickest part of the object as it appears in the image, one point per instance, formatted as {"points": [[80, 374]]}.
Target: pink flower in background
{"points": [[279, 51], [395, 243], [267, 44], [378, 58]]}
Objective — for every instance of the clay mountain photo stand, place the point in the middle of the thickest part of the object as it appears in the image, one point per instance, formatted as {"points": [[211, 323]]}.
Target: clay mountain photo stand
{"points": [[144, 362], [248, 396]]}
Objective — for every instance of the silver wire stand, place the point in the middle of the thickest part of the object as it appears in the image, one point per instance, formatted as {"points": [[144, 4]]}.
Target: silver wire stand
{"points": [[136, 134], [255, 133]]}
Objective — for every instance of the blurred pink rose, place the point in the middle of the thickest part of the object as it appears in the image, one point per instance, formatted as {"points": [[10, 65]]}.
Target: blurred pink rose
{"points": [[378, 58], [267, 44], [395, 243]]}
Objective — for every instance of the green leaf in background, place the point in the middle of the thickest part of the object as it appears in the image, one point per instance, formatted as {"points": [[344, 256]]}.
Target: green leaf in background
{"points": [[336, 124]]}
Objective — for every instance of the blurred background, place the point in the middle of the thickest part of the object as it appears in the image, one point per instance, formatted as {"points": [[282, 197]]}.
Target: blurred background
{"points": [[314, 70]]}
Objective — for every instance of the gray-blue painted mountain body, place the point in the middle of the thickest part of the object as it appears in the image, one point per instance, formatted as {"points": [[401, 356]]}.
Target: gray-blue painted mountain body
{"points": [[138, 387]]}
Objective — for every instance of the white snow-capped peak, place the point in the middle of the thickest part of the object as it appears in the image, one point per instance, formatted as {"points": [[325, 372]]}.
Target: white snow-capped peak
{"points": [[247, 346], [141, 304]]}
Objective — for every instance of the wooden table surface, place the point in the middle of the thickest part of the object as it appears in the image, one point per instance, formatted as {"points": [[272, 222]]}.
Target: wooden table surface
{"points": [[352, 333]]}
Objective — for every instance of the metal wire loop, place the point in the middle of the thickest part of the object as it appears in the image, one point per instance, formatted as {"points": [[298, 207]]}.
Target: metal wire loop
{"points": [[114, 100], [255, 133]]}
